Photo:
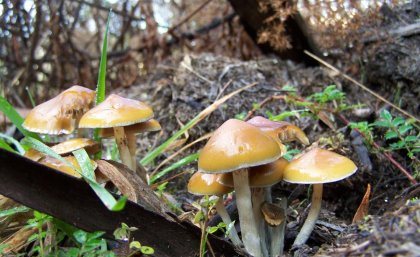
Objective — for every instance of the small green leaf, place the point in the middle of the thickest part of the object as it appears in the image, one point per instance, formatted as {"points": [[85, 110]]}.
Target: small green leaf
{"points": [[404, 129], [80, 236], [391, 134], [382, 123], [398, 145], [240, 116], [135, 245], [398, 121], [199, 216], [411, 139], [212, 230], [386, 115], [147, 250]]}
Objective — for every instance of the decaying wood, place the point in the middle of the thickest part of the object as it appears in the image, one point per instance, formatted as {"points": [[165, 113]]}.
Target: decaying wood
{"points": [[73, 201]]}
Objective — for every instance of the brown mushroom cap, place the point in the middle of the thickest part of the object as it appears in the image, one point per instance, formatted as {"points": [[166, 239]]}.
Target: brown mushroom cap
{"points": [[147, 126], [319, 166], [60, 114], [63, 167], [235, 145], [74, 144], [207, 184], [116, 111], [261, 176]]}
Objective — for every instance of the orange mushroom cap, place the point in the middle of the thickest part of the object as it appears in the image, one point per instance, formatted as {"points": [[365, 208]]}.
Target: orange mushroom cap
{"points": [[116, 111], [261, 176], [319, 166], [147, 126], [207, 184], [60, 114], [74, 144], [235, 145]]}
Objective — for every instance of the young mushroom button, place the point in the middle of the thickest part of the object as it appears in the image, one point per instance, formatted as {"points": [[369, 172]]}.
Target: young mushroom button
{"points": [[316, 167], [234, 147]]}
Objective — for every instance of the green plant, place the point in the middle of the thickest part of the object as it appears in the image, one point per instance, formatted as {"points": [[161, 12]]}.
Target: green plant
{"points": [[366, 129], [401, 130], [123, 233]]}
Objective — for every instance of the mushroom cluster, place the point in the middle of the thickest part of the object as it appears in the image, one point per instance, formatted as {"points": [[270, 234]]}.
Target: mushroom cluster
{"points": [[246, 157], [117, 117]]}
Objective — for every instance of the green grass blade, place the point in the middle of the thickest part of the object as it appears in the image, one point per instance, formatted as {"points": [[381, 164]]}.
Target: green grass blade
{"points": [[14, 142], [88, 173], [30, 97], [43, 148], [158, 150], [13, 211], [14, 117], [6, 146], [184, 161], [100, 87]]}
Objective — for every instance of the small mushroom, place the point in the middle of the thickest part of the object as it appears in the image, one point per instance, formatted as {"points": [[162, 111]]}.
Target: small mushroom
{"points": [[60, 114], [316, 167], [116, 112], [208, 184], [234, 147]]}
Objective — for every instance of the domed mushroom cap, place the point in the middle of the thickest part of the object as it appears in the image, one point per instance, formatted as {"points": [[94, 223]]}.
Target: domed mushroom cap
{"points": [[147, 126], [74, 144], [116, 111], [60, 114], [63, 167], [235, 145], [261, 176], [319, 166], [207, 184]]}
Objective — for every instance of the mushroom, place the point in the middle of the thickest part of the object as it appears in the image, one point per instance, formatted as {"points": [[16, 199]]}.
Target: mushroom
{"points": [[74, 144], [131, 131], [281, 130], [261, 178], [234, 147], [63, 167], [316, 167], [116, 112], [60, 114], [208, 184]]}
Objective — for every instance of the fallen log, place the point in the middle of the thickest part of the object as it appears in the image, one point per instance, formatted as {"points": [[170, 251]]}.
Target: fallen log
{"points": [[72, 200]]}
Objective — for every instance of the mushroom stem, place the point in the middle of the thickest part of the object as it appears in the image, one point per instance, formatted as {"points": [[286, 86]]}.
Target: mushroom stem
{"points": [[233, 234], [121, 140], [132, 146], [250, 235], [277, 233], [309, 224], [257, 201]]}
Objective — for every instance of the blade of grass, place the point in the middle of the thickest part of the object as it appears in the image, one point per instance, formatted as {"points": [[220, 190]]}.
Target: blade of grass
{"points": [[18, 146], [100, 87], [6, 146], [158, 150], [106, 197], [87, 172], [30, 97], [184, 161], [15, 117]]}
